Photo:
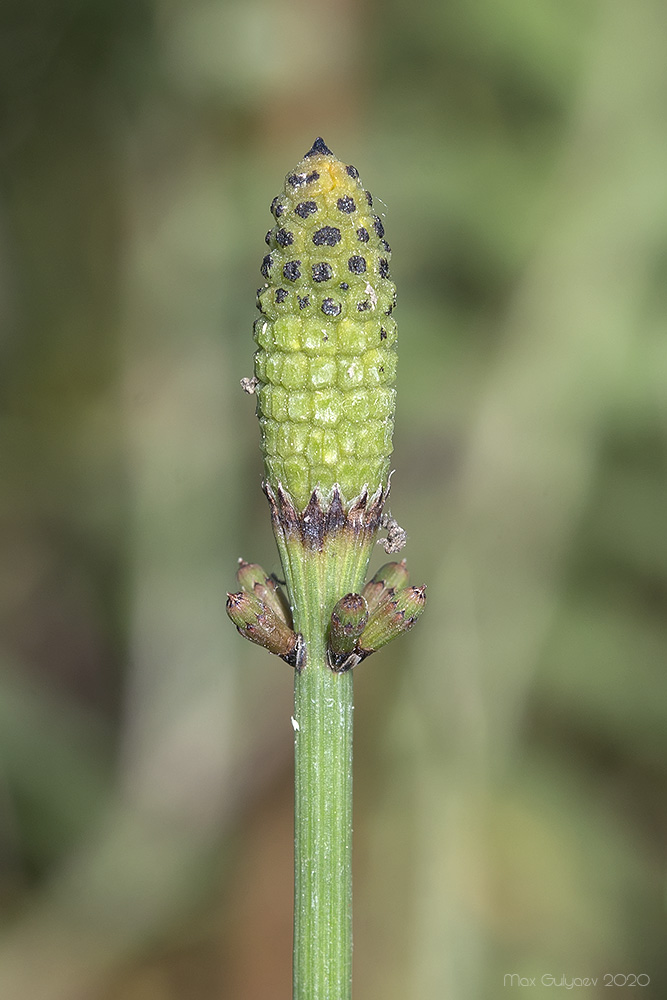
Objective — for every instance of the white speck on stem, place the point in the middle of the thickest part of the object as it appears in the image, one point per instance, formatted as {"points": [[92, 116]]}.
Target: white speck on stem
{"points": [[295, 725], [372, 294]]}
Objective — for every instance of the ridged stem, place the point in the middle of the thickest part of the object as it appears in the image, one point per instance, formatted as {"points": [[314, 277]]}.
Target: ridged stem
{"points": [[323, 708], [322, 831]]}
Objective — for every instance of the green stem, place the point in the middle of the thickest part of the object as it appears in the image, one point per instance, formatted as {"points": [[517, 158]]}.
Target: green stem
{"points": [[322, 831], [323, 709]]}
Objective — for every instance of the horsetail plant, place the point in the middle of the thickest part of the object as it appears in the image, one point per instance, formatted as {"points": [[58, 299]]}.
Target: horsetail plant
{"points": [[324, 379]]}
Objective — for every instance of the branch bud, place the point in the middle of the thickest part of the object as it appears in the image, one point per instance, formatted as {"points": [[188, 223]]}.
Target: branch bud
{"points": [[348, 620], [388, 579], [394, 615], [258, 623], [255, 580]]}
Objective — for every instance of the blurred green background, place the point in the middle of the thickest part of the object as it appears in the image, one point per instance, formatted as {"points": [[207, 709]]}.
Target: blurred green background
{"points": [[511, 755]]}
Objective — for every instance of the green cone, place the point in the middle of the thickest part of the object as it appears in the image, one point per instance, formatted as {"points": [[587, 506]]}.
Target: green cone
{"points": [[326, 364]]}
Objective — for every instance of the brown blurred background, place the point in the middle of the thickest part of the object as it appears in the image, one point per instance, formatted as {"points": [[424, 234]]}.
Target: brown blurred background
{"points": [[511, 755]]}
